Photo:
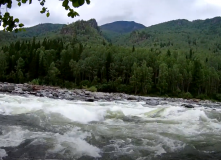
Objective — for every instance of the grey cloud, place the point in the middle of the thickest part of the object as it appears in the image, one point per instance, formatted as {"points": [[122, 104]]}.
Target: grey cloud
{"points": [[127, 16]]}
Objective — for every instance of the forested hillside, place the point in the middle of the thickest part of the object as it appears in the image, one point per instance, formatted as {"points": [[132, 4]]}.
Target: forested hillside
{"points": [[177, 58], [41, 31], [199, 35]]}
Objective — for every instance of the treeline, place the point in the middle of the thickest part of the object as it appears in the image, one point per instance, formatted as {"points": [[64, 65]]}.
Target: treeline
{"points": [[112, 68]]}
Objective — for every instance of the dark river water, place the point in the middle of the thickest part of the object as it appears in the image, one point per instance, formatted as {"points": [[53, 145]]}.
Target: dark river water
{"points": [[46, 129]]}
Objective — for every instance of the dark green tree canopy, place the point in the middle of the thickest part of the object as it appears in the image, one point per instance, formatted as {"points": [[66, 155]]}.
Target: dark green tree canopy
{"points": [[10, 23]]}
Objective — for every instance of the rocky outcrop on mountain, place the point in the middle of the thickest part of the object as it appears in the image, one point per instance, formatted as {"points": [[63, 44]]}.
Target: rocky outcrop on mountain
{"points": [[80, 27], [139, 36], [93, 24]]}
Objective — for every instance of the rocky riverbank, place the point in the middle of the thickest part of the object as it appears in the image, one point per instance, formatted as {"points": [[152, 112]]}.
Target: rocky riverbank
{"points": [[84, 95]]}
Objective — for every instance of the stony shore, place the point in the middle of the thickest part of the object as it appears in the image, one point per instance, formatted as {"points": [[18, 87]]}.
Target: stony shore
{"points": [[84, 95]]}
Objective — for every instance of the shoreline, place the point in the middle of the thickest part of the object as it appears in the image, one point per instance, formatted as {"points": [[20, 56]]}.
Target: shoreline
{"points": [[85, 95]]}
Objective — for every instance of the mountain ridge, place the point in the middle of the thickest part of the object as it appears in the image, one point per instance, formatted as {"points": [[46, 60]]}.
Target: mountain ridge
{"points": [[144, 36], [122, 26], [181, 33]]}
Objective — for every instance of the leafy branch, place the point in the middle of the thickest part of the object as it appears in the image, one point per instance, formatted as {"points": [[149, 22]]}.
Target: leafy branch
{"points": [[12, 24]]}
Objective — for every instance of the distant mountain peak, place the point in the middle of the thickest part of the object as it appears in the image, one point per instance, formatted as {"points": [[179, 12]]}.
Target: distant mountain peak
{"points": [[122, 26]]}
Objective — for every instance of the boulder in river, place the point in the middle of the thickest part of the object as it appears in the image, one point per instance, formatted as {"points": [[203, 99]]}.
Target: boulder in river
{"points": [[7, 88], [196, 100], [27, 88], [89, 99], [131, 98], [55, 94], [50, 96], [152, 102], [187, 105], [68, 97]]}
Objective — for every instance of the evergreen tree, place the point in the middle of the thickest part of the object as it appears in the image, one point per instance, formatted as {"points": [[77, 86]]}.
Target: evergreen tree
{"points": [[53, 72], [163, 78]]}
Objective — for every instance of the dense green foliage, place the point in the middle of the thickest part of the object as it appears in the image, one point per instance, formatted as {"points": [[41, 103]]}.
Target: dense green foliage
{"points": [[81, 57]]}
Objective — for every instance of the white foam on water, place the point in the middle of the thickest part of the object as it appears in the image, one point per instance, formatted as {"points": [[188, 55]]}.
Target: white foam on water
{"points": [[189, 121], [72, 141], [12, 136], [83, 112], [75, 111], [165, 123], [76, 145], [3, 154]]}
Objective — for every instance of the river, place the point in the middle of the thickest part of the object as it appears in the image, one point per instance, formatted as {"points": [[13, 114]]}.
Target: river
{"points": [[42, 128]]}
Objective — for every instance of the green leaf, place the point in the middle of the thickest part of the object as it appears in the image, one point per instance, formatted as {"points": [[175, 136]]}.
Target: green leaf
{"points": [[80, 2], [42, 3], [7, 15], [48, 14], [75, 14], [88, 1], [21, 25], [24, 1], [9, 5], [65, 3], [19, 4], [43, 10], [72, 13], [16, 20], [75, 4]]}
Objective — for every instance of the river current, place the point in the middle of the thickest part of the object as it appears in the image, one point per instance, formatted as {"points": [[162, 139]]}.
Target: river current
{"points": [[42, 128]]}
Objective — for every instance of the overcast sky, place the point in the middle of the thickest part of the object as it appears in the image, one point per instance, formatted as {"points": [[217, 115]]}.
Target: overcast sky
{"points": [[147, 12]]}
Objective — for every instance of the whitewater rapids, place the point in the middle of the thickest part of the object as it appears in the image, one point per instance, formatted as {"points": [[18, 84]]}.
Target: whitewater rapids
{"points": [[42, 128]]}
